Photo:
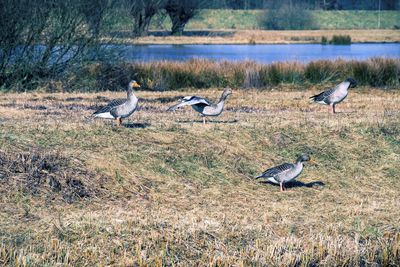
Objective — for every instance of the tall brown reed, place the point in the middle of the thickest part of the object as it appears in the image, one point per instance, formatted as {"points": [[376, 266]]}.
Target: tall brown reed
{"points": [[200, 73]]}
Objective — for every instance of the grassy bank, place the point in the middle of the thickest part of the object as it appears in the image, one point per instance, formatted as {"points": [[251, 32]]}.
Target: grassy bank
{"points": [[166, 190], [164, 76], [248, 26], [220, 19]]}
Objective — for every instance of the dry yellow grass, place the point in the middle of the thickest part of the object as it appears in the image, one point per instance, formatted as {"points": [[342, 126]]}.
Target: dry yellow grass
{"points": [[270, 37], [181, 193]]}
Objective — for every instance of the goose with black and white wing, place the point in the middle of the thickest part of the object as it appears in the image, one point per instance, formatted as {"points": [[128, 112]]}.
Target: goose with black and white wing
{"points": [[204, 106]]}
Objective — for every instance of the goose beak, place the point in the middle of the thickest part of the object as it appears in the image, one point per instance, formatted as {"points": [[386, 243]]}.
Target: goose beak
{"points": [[135, 84]]}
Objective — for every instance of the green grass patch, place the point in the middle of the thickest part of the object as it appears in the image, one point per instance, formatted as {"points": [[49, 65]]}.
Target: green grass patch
{"points": [[218, 19]]}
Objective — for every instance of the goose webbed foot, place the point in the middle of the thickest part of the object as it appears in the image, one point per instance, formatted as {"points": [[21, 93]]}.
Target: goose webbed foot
{"points": [[118, 122]]}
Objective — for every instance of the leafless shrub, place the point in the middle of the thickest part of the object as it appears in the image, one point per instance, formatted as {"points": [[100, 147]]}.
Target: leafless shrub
{"points": [[60, 27]]}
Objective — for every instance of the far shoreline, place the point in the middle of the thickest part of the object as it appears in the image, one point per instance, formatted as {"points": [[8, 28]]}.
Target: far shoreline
{"points": [[241, 37]]}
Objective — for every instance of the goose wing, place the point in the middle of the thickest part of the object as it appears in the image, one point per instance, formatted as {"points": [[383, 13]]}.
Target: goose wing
{"points": [[189, 101], [110, 106], [324, 95], [272, 172]]}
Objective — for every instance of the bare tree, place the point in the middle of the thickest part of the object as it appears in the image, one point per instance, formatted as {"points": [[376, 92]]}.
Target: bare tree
{"points": [[42, 39], [142, 12], [94, 12], [180, 12]]}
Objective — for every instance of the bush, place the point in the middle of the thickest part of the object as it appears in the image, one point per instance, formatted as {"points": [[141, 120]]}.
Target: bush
{"points": [[377, 72], [288, 17], [341, 40], [321, 71]]}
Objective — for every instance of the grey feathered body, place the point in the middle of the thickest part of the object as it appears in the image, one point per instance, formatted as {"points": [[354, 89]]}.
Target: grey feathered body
{"points": [[334, 95], [202, 105], [209, 110], [119, 108], [283, 173]]}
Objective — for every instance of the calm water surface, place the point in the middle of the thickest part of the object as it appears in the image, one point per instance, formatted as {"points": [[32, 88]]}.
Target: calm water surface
{"points": [[260, 53]]}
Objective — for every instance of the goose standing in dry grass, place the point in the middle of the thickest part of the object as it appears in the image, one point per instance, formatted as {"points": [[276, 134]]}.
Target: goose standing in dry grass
{"points": [[334, 95], [285, 172], [204, 106], [119, 109]]}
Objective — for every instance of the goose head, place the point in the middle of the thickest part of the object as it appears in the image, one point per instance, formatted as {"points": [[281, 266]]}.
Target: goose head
{"points": [[133, 84], [227, 92], [353, 83], [303, 158]]}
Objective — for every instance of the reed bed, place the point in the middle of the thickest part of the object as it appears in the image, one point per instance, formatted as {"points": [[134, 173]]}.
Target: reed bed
{"points": [[198, 73]]}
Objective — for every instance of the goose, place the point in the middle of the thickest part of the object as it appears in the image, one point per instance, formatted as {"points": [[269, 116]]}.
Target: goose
{"points": [[285, 172], [119, 109], [334, 95], [204, 106]]}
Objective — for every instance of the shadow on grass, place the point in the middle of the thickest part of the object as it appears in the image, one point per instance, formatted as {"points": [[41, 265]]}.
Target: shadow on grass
{"points": [[208, 121], [137, 125], [298, 184]]}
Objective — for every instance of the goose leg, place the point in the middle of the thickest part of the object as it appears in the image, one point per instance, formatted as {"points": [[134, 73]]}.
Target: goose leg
{"points": [[282, 187], [333, 109], [204, 120]]}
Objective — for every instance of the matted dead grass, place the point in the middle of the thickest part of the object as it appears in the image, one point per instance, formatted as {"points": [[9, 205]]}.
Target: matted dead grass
{"points": [[181, 193]]}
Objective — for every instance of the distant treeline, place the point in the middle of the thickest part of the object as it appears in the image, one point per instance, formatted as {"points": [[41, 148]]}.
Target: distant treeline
{"points": [[311, 4]]}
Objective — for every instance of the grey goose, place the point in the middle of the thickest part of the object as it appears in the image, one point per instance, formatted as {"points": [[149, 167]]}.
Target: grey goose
{"points": [[334, 95], [204, 106], [119, 109], [285, 172]]}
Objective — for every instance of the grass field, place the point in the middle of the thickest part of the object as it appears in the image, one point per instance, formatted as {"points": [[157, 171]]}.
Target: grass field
{"points": [[245, 26], [167, 190], [220, 19]]}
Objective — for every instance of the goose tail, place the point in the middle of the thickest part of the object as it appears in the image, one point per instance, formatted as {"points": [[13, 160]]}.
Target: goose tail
{"points": [[317, 98], [260, 176]]}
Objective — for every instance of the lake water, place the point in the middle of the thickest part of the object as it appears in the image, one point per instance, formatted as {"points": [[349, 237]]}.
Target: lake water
{"points": [[261, 53]]}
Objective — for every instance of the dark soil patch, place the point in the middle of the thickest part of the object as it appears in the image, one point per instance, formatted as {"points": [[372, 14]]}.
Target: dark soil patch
{"points": [[100, 98], [77, 107], [9, 105], [74, 99], [34, 107], [47, 174], [150, 109], [50, 98], [24, 106], [160, 99], [246, 110]]}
